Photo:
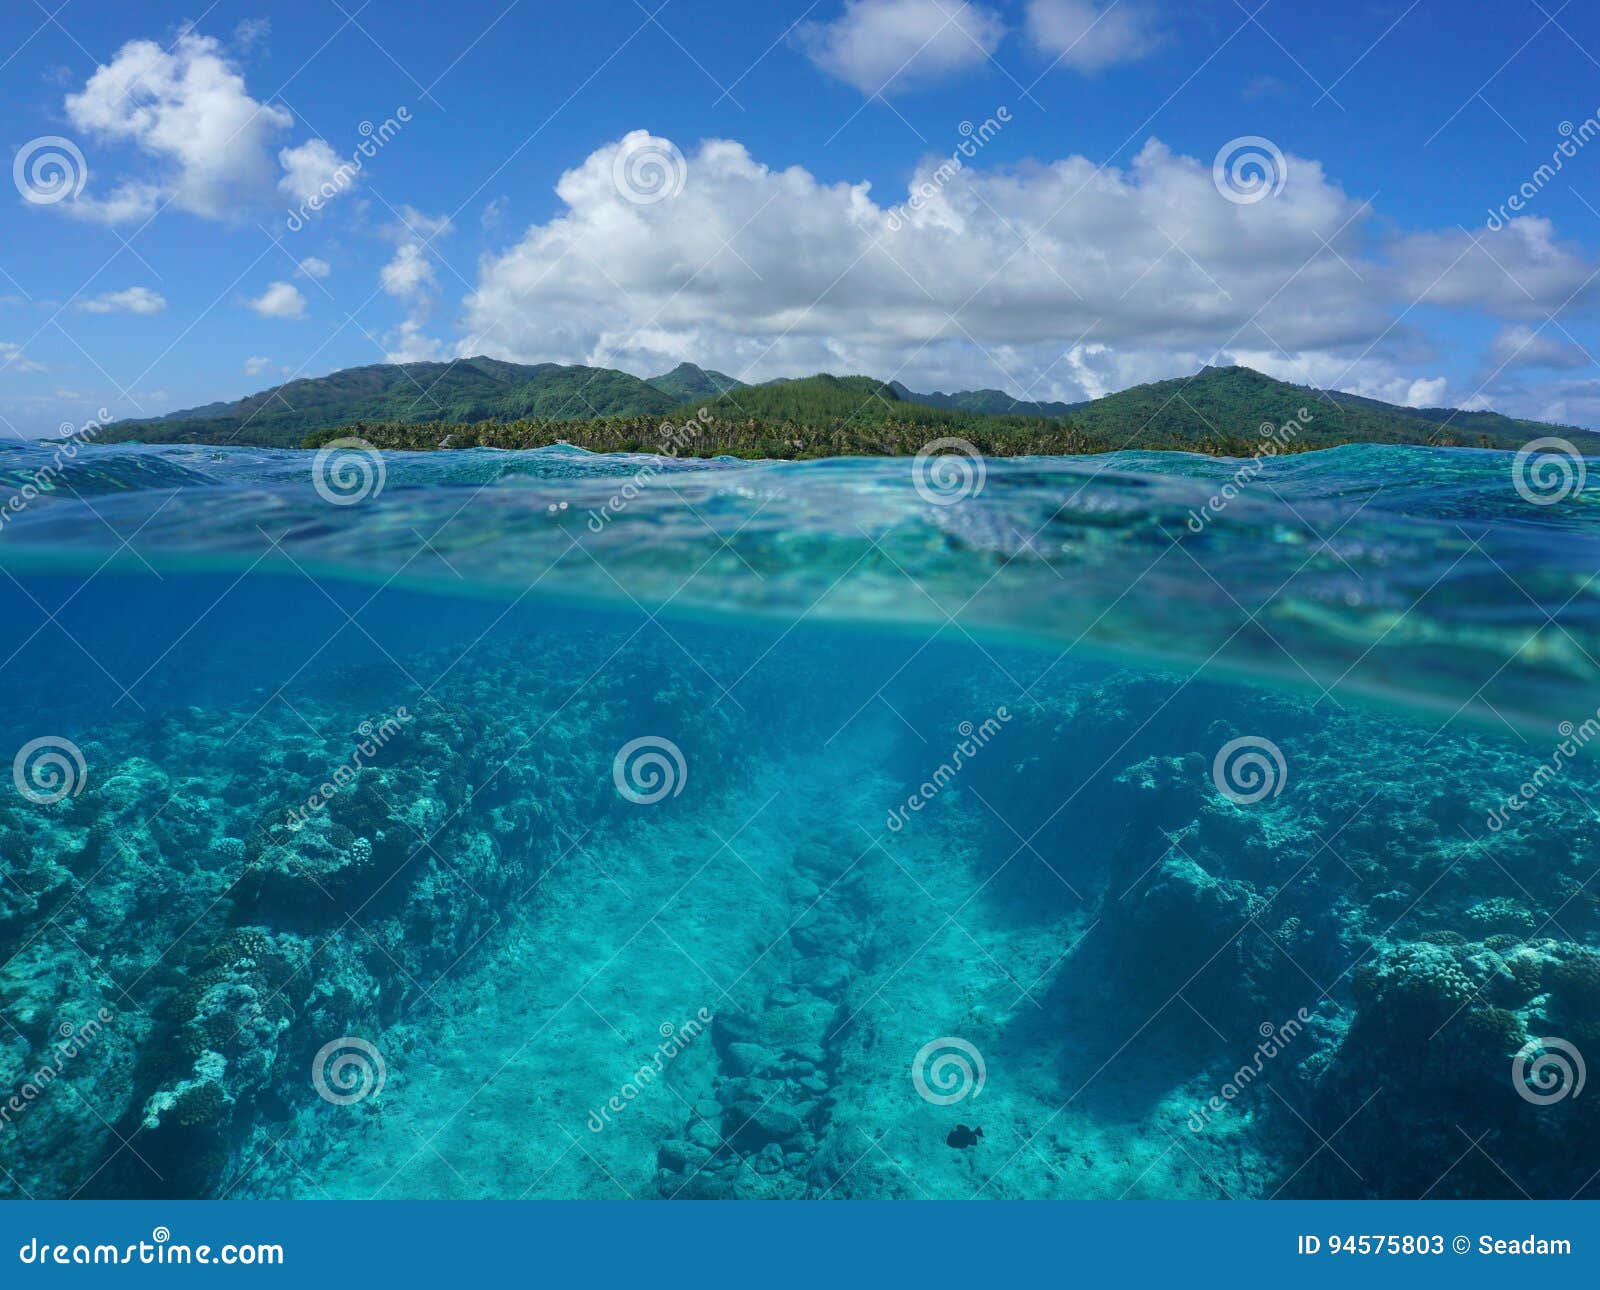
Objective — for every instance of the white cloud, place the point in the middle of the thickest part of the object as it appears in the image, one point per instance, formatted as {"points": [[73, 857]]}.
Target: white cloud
{"points": [[313, 267], [186, 109], [135, 300], [1092, 34], [817, 277], [407, 344], [250, 33], [1062, 280], [409, 273], [256, 365], [1386, 377], [1523, 346], [876, 45], [415, 225], [1427, 393], [1521, 269], [12, 359], [314, 171], [410, 276], [279, 300], [1562, 402], [129, 201]]}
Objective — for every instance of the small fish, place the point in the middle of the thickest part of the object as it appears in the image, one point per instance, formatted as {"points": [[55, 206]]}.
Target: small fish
{"points": [[962, 1137]]}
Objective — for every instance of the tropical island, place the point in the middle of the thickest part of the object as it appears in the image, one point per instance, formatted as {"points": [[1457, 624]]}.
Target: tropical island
{"points": [[692, 411]]}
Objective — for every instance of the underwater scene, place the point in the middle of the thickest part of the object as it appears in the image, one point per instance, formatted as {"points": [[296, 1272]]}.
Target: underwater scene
{"points": [[546, 824]]}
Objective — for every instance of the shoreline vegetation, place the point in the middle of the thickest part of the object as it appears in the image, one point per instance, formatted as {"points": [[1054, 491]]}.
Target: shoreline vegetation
{"points": [[777, 440]]}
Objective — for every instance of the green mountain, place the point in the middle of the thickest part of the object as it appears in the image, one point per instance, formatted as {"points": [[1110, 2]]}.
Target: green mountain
{"points": [[686, 382], [468, 390], [1217, 410], [990, 402], [824, 401], [1236, 402]]}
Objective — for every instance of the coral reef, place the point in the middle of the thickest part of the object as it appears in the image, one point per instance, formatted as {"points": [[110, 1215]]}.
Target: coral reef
{"points": [[277, 941], [233, 904]]}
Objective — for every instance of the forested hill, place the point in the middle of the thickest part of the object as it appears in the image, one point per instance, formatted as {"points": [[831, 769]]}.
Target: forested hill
{"points": [[1219, 409]]}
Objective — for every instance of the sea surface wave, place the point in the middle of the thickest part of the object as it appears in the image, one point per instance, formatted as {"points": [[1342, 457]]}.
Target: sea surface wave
{"points": [[1421, 576]]}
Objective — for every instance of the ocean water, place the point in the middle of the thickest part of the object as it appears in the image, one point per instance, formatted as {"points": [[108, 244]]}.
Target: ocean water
{"points": [[479, 824]]}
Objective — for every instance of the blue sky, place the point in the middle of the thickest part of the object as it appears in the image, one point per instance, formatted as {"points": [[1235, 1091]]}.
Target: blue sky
{"points": [[1085, 245]]}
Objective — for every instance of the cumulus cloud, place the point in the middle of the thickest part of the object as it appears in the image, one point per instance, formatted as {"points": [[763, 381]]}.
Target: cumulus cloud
{"points": [[407, 344], [314, 267], [1561, 402], [256, 364], [314, 170], [1521, 268], [129, 201], [1522, 346], [1427, 393], [996, 271], [135, 300], [410, 276], [188, 111], [876, 45], [408, 273], [279, 300], [1092, 34], [1062, 280]]}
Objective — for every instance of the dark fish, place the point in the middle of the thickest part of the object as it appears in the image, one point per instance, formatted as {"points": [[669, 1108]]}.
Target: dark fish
{"points": [[962, 1137]]}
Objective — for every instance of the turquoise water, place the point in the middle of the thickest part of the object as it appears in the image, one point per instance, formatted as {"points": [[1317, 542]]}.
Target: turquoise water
{"points": [[547, 825]]}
